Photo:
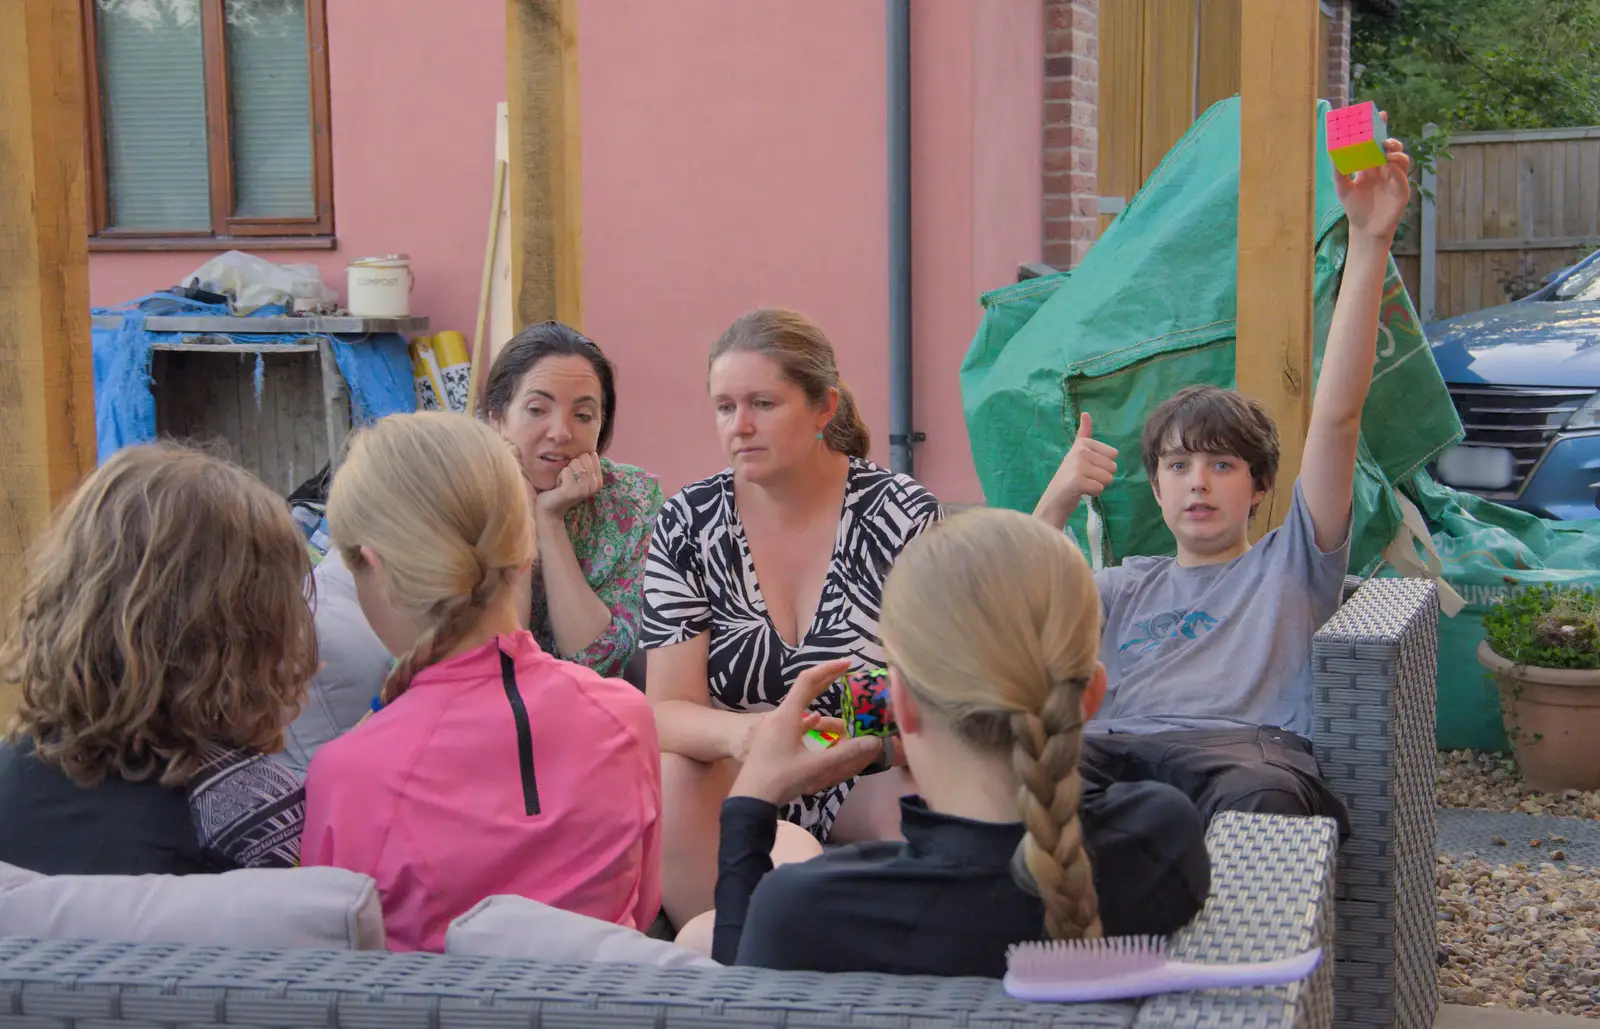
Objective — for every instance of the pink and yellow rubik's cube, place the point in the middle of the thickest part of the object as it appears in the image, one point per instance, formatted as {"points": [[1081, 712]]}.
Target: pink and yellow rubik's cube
{"points": [[1355, 138]]}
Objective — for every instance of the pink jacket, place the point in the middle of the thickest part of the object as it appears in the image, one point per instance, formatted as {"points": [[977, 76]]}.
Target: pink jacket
{"points": [[440, 798]]}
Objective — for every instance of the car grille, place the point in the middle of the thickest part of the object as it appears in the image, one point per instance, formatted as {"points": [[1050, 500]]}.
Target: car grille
{"points": [[1521, 419]]}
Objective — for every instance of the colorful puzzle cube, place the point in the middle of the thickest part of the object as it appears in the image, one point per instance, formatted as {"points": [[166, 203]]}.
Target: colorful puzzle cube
{"points": [[1355, 138], [864, 703]]}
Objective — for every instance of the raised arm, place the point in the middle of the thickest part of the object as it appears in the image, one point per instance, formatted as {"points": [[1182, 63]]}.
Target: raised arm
{"points": [[1374, 201]]}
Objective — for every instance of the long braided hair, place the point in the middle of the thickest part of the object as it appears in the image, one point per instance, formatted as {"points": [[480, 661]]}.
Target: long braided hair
{"points": [[440, 500], [993, 620]]}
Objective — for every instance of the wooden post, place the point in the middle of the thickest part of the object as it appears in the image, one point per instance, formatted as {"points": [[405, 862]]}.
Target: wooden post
{"points": [[1428, 248], [46, 374], [1278, 91], [546, 167]]}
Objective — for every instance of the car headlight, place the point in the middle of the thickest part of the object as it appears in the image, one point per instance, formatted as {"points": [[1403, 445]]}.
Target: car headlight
{"points": [[1587, 416]]}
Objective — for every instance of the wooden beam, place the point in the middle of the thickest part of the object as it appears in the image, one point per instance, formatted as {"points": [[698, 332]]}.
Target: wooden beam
{"points": [[46, 374], [546, 168], [1277, 74]]}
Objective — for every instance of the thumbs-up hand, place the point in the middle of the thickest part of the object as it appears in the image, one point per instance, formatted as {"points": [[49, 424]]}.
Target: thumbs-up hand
{"points": [[1086, 471]]}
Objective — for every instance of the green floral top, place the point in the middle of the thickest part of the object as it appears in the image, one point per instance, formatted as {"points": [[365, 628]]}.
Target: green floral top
{"points": [[610, 534]]}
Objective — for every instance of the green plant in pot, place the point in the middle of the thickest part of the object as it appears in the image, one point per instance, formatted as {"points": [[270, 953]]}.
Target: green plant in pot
{"points": [[1542, 644]]}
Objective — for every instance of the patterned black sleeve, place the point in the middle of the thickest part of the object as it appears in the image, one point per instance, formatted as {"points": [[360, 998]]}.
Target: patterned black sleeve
{"points": [[248, 810], [676, 607]]}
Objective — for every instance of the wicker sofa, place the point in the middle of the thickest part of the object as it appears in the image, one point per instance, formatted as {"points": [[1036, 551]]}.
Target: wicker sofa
{"points": [[1273, 893]]}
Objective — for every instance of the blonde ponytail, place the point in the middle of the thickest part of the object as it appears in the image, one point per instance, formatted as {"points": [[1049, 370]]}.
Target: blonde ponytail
{"points": [[440, 500], [993, 619]]}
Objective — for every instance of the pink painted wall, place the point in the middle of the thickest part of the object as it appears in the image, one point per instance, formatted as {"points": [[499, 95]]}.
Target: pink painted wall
{"points": [[733, 157], [413, 108], [977, 96], [753, 172]]}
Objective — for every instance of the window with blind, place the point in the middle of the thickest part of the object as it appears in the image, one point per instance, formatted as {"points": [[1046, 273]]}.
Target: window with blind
{"points": [[208, 119]]}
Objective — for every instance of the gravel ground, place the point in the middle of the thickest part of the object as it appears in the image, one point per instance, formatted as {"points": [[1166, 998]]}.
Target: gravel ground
{"points": [[1519, 937], [1516, 935], [1470, 778]]}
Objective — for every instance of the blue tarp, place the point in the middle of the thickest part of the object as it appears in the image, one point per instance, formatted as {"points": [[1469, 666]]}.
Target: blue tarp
{"points": [[376, 367]]}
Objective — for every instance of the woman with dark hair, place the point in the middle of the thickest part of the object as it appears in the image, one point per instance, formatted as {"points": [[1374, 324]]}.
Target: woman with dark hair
{"points": [[759, 572], [551, 394]]}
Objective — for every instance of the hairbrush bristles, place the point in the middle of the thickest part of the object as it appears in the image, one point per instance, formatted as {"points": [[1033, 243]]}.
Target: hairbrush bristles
{"points": [[1125, 967], [1050, 960]]}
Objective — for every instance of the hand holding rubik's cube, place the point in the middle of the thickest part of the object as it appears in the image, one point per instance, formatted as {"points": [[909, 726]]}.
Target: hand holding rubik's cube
{"points": [[1355, 138], [864, 709]]}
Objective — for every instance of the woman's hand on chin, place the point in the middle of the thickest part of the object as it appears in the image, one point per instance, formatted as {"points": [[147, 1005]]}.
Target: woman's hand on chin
{"points": [[577, 482]]}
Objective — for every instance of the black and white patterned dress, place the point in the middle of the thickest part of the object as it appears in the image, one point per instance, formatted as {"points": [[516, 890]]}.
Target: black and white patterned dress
{"points": [[700, 577]]}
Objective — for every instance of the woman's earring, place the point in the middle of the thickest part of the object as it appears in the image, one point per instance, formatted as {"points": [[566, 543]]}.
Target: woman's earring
{"points": [[819, 435]]}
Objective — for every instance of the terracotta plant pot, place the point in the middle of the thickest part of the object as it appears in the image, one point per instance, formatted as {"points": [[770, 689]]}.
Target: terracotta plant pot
{"points": [[1552, 716]]}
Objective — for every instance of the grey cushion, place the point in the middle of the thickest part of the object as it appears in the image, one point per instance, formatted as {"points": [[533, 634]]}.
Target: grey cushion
{"points": [[252, 907], [354, 664], [516, 927]]}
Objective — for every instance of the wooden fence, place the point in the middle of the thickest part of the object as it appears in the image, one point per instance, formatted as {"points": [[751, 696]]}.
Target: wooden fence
{"points": [[1508, 209]]}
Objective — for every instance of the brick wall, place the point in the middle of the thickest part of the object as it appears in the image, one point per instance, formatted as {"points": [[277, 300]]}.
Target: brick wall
{"points": [[1338, 84], [1071, 114]]}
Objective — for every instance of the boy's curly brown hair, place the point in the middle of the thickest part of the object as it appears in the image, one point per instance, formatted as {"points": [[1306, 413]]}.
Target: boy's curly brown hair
{"points": [[167, 606]]}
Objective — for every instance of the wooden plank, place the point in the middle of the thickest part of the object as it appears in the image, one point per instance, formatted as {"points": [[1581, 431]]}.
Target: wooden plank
{"points": [[1510, 223], [47, 437], [1425, 291], [546, 160], [1454, 202], [1217, 76], [1121, 101], [1569, 188], [1447, 286], [335, 405], [1472, 199], [1562, 215], [342, 324], [1524, 135], [1589, 202], [1551, 243], [234, 348], [1489, 226], [1533, 189], [1276, 174], [1472, 277], [1169, 78], [1324, 48]]}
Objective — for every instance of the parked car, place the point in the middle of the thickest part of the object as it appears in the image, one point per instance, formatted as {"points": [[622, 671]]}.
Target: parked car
{"points": [[1525, 378]]}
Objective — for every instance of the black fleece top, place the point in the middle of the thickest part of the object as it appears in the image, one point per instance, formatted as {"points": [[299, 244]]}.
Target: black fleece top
{"points": [[955, 895]]}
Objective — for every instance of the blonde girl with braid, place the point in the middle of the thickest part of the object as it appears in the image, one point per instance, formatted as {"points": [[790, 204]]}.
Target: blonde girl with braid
{"points": [[991, 625], [490, 766]]}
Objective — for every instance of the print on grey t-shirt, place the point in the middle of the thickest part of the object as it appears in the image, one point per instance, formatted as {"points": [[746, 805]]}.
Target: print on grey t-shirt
{"points": [[1218, 646]]}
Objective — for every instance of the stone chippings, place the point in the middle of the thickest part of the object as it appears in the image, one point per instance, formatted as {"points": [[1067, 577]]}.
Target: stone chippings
{"points": [[1519, 936], [1516, 934], [1490, 782]]}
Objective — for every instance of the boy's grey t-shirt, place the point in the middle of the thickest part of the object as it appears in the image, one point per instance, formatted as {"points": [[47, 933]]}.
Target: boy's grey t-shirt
{"points": [[1218, 646]]}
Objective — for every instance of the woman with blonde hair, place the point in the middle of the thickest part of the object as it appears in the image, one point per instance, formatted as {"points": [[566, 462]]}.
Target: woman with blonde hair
{"points": [[490, 766], [162, 642], [991, 624], [757, 572]]}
